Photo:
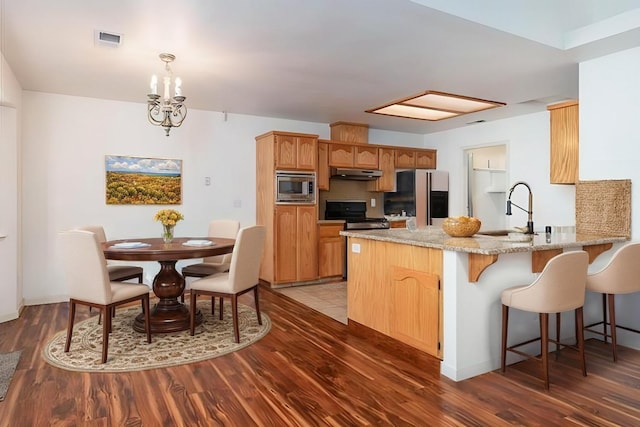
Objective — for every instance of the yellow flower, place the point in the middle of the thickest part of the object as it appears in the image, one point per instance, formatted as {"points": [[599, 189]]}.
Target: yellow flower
{"points": [[168, 216]]}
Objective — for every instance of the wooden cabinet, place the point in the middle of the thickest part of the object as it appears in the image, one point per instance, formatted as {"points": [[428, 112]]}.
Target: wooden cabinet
{"points": [[415, 309], [291, 246], [341, 155], [331, 247], [296, 152], [353, 156], [395, 289], [322, 177], [296, 250], [398, 224], [365, 157], [426, 159], [405, 158], [564, 143], [386, 163]]}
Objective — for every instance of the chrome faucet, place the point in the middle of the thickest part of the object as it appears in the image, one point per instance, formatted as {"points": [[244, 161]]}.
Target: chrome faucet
{"points": [[528, 211]]}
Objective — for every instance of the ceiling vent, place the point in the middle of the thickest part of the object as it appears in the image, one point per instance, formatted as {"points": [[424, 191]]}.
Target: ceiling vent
{"points": [[104, 38]]}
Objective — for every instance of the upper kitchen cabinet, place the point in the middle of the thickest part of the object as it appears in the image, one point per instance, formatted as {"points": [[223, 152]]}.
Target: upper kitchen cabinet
{"points": [[353, 156], [405, 158], [415, 158], [349, 132], [322, 178], [341, 155], [386, 163], [295, 152], [426, 159], [564, 142]]}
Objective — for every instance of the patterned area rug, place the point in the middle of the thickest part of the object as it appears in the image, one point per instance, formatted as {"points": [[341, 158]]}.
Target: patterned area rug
{"points": [[129, 351], [8, 363]]}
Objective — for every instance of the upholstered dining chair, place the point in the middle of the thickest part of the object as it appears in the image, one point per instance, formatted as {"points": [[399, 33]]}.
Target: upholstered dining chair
{"points": [[223, 228], [560, 287], [89, 284], [117, 273], [241, 278], [621, 275]]}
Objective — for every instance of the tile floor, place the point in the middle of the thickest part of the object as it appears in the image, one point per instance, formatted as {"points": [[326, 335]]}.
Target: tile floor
{"points": [[327, 298]]}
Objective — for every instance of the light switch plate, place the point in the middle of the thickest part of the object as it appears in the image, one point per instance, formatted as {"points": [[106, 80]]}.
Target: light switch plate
{"points": [[355, 248], [373, 203]]}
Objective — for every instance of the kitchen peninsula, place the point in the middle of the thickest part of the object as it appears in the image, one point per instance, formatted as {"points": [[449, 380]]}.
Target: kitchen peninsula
{"points": [[442, 294]]}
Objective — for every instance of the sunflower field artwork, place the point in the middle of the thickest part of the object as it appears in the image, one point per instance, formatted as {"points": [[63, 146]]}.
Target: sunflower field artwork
{"points": [[143, 181]]}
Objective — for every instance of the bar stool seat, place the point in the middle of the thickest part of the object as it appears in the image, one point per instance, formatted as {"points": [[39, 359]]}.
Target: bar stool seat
{"points": [[620, 276], [559, 288]]}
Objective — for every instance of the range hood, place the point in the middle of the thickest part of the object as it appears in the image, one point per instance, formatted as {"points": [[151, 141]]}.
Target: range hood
{"points": [[355, 174]]}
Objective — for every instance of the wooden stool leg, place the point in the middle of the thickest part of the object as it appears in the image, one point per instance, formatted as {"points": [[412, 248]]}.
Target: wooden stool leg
{"points": [[604, 317], [612, 325], [580, 322], [544, 347], [558, 317], [505, 322], [72, 316]]}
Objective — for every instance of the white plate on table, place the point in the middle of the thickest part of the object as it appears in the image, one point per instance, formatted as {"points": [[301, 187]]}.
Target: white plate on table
{"points": [[198, 243], [130, 245]]}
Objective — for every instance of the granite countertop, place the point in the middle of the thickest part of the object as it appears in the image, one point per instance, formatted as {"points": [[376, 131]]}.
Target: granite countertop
{"points": [[434, 237], [392, 218]]}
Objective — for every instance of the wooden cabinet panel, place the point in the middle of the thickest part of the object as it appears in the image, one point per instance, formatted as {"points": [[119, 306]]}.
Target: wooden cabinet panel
{"points": [[341, 155], [415, 308], [286, 152], [398, 224], [564, 143], [307, 243], [425, 159], [296, 250], [322, 180], [307, 153], [331, 247], [393, 289], [293, 152], [386, 163], [366, 157], [405, 158], [285, 243]]}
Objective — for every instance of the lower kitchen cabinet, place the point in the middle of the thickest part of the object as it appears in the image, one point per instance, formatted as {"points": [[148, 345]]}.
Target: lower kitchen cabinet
{"points": [[296, 250], [331, 247], [402, 223], [395, 289]]}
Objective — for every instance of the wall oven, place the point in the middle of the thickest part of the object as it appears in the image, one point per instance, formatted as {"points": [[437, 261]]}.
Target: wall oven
{"points": [[295, 187]]}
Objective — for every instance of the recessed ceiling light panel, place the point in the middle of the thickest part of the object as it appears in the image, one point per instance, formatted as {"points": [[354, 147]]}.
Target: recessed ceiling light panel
{"points": [[434, 106]]}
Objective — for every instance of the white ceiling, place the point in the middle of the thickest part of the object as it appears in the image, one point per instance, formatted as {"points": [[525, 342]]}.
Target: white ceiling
{"points": [[318, 60]]}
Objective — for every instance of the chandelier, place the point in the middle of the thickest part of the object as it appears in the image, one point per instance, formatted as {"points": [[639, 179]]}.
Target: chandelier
{"points": [[169, 111]]}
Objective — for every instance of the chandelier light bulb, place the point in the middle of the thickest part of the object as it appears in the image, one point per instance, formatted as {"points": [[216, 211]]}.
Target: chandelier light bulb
{"points": [[170, 111]]}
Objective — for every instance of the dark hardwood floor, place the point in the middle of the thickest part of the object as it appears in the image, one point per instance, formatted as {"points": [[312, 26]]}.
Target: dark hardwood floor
{"points": [[312, 371]]}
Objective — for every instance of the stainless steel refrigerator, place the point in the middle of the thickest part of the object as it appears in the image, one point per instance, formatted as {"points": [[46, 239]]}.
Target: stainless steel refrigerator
{"points": [[422, 193]]}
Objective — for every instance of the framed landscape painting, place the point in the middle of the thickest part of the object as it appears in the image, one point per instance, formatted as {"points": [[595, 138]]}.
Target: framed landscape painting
{"points": [[143, 181]]}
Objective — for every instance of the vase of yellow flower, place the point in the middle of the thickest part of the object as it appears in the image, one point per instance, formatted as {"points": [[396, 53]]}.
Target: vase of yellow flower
{"points": [[168, 218]]}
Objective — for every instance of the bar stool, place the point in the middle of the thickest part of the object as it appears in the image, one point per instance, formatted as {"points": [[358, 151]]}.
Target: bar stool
{"points": [[620, 276], [559, 288]]}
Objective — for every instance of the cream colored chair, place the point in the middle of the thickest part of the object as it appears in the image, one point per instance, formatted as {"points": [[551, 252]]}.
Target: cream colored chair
{"points": [[226, 229], [621, 275], [89, 284], [117, 273], [559, 288], [241, 278]]}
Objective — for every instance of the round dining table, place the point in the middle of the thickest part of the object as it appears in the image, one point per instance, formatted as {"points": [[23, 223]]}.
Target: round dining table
{"points": [[168, 314]]}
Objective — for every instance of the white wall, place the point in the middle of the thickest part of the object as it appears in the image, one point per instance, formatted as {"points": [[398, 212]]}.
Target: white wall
{"points": [[527, 140], [609, 149], [11, 283], [65, 142]]}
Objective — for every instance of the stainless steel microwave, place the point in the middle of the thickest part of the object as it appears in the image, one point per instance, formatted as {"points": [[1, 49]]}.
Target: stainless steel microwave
{"points": [[295, 187]]}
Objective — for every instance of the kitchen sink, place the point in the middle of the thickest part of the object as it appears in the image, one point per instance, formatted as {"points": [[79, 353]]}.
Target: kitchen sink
{"points": [[495, 233]]}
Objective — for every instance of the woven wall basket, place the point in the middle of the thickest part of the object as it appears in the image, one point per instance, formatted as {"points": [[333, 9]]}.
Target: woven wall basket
{"points": [[604, 207]]}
